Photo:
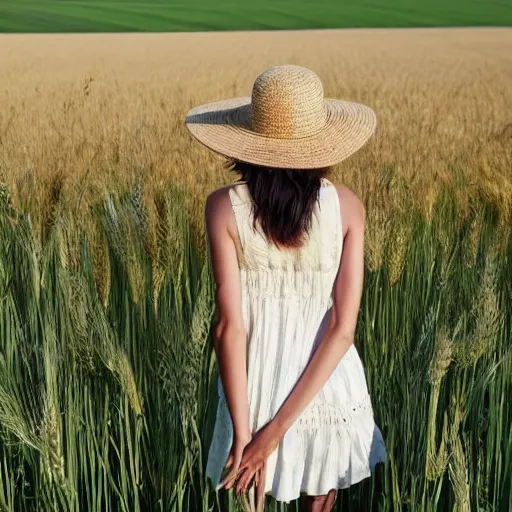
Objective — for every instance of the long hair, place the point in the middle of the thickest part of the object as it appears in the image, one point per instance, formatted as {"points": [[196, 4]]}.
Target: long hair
{"points": [[283, 200]]}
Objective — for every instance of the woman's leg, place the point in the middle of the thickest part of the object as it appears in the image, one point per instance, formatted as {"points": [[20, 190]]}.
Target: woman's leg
{"points": [[321, 503]]}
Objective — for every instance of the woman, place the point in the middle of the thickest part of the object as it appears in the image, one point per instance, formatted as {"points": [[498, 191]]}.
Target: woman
{"points": [[294, 416]]}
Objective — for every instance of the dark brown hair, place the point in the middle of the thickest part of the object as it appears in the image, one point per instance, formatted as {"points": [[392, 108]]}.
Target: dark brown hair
{"points": [[283, 200]]}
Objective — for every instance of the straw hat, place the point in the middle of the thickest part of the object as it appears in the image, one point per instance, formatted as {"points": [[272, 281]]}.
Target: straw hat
{"points": [[286, 123]]}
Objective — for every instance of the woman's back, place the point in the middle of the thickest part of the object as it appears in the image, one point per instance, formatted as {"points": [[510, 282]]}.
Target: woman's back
{"points": [[285, 295], [286, 304], [287, 270]]}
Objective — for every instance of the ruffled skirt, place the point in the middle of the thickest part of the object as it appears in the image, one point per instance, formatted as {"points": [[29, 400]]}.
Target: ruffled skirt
{"points": [[333, 444]]}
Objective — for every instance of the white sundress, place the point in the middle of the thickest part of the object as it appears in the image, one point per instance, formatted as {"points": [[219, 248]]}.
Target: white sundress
{"points": [[286, 301]]}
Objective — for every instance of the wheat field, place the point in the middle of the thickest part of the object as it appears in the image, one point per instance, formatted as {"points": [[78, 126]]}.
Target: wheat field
{"points": [[106, 362], [107, 109]]}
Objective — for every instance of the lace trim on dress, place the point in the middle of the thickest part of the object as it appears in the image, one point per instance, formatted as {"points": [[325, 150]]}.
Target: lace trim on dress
{"points": [[323, 414]]}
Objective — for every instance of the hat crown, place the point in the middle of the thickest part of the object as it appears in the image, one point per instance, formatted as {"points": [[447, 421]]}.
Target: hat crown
{"points": [[288, 103]]}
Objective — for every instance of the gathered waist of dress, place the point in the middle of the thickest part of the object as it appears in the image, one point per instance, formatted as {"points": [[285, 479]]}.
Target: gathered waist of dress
{"points": [[282, 283]]}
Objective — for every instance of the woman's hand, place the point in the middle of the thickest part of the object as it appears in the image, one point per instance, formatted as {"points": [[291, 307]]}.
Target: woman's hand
{"points": [[235, 456], [254, 458]]}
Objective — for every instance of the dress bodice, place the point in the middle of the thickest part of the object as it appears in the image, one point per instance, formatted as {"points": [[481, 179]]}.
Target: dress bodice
{"points": [[282, 272]]}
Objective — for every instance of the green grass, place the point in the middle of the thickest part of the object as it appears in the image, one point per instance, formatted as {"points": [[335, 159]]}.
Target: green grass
{"points": [[108, 376], [201, 15]]}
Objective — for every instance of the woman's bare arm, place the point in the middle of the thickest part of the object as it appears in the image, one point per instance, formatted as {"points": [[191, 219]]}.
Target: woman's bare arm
{"points": [[230, 335], [340, 333]]}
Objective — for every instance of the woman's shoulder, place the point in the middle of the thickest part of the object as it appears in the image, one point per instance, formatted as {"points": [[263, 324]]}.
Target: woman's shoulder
{"points": [[219, 210], [218, 198], [224, 191], [351, 206], [221, 201], [232, 195], [347, 196]]}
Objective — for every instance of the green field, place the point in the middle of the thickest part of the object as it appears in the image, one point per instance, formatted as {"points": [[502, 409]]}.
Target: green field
{"points": [[201, 15]]}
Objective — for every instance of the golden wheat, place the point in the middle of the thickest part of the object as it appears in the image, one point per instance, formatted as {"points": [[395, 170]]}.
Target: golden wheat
{"points": [[84, 113]]}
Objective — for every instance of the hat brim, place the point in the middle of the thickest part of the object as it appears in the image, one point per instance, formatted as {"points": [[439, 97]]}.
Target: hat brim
{"points": [[225, 127]]}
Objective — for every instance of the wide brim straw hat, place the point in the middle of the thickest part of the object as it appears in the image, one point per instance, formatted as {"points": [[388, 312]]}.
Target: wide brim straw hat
{"points": [[285, 123]]}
